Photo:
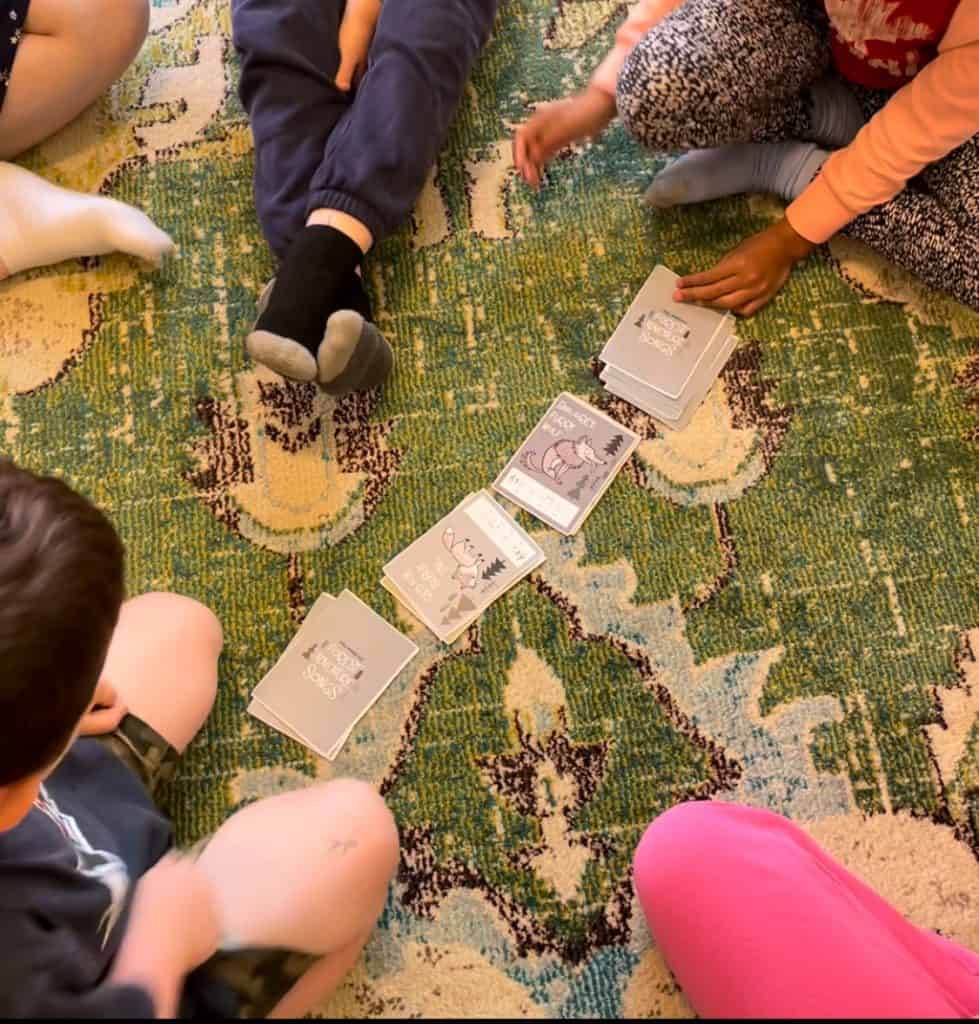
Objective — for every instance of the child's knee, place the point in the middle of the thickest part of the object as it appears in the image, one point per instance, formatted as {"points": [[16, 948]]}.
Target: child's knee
{"points": [[681, 852], [700, 847], [643, 88], [118, 29], [183, 620], [675, 841], [199, 624], [374, 830]]}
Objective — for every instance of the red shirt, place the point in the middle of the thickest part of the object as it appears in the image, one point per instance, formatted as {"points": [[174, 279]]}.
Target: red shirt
{"points": [[883, 43]]}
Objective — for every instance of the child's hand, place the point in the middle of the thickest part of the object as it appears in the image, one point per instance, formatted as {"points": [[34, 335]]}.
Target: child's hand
{"points": [[356, 32], [555, 125], [173, 927], [751, 274], [175, 902], [106, 712]]}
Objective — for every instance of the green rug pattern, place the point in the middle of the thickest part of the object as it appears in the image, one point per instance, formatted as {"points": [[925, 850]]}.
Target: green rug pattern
{"points": [[777, 606]]}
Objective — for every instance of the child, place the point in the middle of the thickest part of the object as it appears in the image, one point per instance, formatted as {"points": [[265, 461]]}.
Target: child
{"points": [[97, 701], [757, 922], [751, 79], [56, 58], [339, 165]]}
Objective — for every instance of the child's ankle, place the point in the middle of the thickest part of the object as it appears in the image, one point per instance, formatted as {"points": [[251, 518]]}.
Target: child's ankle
{"points": [[355, 230]]}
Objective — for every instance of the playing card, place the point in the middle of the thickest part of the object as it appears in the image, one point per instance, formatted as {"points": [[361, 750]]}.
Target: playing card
{"points": [[671, 408], [565, 465], [334, 669], [455, 570], [314, 616], [661, 343], [673, 414], [258, 710]]}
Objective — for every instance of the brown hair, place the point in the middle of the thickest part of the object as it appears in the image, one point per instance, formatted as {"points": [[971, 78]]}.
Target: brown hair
{"points": [[61, 587]]}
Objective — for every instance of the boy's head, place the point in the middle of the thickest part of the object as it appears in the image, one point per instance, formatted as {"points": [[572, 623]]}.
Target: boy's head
{"points": [[61, 587]]}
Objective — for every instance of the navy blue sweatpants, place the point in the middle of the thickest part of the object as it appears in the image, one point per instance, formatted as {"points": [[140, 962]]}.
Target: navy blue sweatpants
{"points": [[367, 154]]}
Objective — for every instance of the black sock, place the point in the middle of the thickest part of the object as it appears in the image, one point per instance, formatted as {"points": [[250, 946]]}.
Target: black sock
{"points": [[308, 287], [353, 296]]}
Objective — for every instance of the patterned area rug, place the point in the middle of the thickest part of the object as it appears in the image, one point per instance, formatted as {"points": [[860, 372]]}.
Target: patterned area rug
{"points": [[778, 606]]}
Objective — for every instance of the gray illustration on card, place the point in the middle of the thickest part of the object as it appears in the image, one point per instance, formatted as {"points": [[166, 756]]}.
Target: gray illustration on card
{"points": [[563, 455], [665, 331]]}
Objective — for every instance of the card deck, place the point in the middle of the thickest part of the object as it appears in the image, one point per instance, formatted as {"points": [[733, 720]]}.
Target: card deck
{"points": [[674, 414], [336, 666], [566, 464], [664, 356], [459, 567]]}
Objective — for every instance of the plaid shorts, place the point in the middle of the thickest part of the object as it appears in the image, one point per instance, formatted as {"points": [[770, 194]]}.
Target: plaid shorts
{"points": [[13, 14], [259, 978]]}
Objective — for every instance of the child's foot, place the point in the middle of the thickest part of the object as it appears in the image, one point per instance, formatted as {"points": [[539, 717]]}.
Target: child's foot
{"points": [[288, 357], [296, 305], [41, 224], [354, 355], [278, 353], [784, 168], [835, 114]]}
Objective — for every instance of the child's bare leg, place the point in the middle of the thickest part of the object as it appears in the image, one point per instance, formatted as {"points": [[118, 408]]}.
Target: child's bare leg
{"points": [[163, 662], [70, 53], [319, 982], [307, 871]]}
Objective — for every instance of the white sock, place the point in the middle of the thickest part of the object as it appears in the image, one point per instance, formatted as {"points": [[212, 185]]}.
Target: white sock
{"points": [[41, 223], [784, 168]]}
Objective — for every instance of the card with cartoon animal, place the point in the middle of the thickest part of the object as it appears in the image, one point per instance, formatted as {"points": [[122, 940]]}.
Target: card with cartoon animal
{"points": [[341, 660], [661, 343], [566, 464], [455, 570]]}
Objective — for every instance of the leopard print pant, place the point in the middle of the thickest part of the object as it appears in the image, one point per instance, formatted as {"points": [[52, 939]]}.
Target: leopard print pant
{"points": [[720, 71]]}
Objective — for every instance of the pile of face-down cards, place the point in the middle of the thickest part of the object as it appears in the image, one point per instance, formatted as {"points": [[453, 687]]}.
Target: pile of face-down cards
{"points": [[342, 659], [566, 464], [458, 568], [665, 355]]}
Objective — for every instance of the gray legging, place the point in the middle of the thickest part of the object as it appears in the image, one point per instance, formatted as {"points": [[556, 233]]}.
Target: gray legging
{"points": [[720, 71]]}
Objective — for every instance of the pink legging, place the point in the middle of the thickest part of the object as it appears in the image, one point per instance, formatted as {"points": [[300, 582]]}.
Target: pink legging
{"points": [[755, 920]]}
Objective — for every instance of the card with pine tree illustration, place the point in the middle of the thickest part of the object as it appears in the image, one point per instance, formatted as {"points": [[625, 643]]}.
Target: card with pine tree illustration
{"points": [[455, 570], [565, 465]]}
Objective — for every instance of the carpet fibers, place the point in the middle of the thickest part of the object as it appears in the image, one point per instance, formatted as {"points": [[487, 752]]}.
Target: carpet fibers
{"points": [[777, 606]]}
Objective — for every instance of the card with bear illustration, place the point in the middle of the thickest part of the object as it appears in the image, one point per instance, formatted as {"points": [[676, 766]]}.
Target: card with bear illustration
{"points": [[566, 464], [455, 570]]}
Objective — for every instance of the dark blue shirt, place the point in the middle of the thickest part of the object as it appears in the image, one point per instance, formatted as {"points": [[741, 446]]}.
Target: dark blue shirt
{"points": [[67, 874]]}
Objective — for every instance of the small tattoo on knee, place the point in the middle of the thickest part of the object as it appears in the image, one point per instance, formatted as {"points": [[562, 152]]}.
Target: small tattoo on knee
{"points": [[342, 846]]}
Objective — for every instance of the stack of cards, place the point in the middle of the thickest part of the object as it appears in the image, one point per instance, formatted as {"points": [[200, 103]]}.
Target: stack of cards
{"points": [[665, 355], [455, 571], [341, 660], [566, 464]]}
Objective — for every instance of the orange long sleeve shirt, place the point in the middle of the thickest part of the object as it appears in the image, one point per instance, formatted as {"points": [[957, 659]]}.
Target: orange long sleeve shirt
{"points": [[926, 118]]}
